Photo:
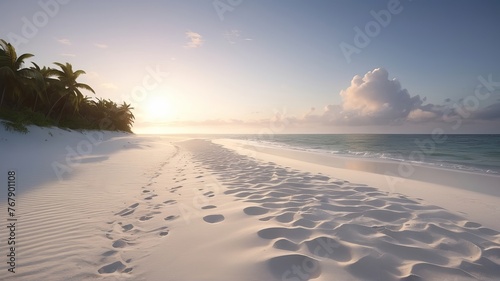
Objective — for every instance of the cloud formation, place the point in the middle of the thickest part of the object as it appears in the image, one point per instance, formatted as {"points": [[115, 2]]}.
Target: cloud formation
{"points": [[64, 41], [100, 45], [491, 112], [195, 40], [373, 99]]}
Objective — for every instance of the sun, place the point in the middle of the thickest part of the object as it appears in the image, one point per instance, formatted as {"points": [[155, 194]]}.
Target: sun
{"points": [[158, 108]]}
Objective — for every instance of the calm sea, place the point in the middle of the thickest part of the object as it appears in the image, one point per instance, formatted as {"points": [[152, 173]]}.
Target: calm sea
{"points": [[475, 153]]}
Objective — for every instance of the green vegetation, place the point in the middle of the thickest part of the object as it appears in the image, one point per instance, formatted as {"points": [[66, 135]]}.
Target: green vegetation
{"points": [[53, 97]]}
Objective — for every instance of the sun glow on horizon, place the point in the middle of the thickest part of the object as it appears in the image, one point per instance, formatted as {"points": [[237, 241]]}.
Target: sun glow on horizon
{"points": [[158, 108]]}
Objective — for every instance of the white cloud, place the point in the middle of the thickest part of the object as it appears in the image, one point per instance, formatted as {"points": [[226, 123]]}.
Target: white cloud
{"points": [[375, 98], [64, 41], [418, 115], [195, 40], [68, 55], [100, 45]]}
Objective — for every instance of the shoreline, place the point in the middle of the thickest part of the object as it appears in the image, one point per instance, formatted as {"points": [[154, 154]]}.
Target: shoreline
{"points": [[433, 185], [387, 167]]}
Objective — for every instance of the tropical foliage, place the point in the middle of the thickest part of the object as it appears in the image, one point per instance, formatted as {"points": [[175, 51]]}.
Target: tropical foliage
{"points": [[53, 96]]}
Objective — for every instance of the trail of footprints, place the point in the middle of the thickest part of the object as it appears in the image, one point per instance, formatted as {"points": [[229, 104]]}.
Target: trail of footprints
{"points": [[352, 226], [131, 225], [320, 219]]}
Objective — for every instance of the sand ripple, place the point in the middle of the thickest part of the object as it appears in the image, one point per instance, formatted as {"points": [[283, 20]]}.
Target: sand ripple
{"points": [[316, 221]]}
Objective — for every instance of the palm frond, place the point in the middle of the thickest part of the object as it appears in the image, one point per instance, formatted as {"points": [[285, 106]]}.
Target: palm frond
{"points": [[84, 86]]}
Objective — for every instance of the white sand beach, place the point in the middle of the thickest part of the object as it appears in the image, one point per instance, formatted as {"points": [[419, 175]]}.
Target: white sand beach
{"points": [[113, 206]]}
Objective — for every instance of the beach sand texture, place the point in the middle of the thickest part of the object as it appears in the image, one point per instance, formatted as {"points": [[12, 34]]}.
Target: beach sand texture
{"points": [[156, 208]]}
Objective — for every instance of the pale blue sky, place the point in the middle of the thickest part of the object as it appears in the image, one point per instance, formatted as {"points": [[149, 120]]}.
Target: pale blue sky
{"points": [[263, 57]]}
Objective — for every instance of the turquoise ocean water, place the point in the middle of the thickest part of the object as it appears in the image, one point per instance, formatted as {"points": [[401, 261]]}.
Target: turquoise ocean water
{"points": [[474, 153]]}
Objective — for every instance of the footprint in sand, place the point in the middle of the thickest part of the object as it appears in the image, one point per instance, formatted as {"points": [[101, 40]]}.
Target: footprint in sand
{"points": [[171, 218], [120, 243], [209, 194], [145, 218], [162, 231], [266, 218], [284, 232], [331, 248], [174, 189], [150, 197], [286, 217], [112, 267], [170, 202], [127, 227], [129, 210], [208, 207], [287, 245], [213, 218], [472, 225], [255, 211], [109, 253], [282, 264]]}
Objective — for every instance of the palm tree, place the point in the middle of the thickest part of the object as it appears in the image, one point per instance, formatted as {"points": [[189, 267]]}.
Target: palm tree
{"points": [[120, 116], [71, 88], [127, 117], [40, 82], [12, 76], [34, 90]]}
